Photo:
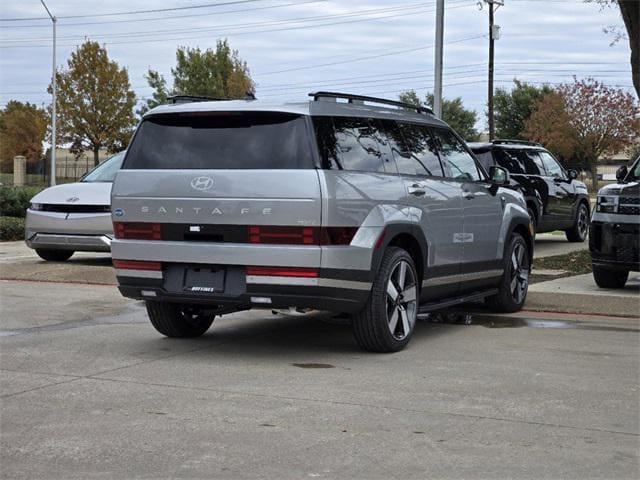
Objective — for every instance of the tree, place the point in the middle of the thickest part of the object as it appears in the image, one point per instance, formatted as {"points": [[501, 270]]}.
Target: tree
{"points": [[513, 108], [550, 124], [630, 12], [459, 118], [597, 120], [23, 127], [95, 102], [218, 73]]}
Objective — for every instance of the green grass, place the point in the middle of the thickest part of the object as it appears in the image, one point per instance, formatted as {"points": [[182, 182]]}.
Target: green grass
{"points": [[577, 263]]}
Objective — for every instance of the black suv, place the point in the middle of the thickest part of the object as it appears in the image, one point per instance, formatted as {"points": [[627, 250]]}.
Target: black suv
{"points": [[555, 199], [614, 239]]}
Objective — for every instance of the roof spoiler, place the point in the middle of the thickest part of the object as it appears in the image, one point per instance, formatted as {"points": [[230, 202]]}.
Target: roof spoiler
{"points": [[197, 98], [362, 98], [501, 141]]}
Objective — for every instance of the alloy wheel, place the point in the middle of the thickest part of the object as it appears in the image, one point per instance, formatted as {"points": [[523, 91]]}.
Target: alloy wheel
{"points": [[401, 300], [519, 273], [583, 221]]}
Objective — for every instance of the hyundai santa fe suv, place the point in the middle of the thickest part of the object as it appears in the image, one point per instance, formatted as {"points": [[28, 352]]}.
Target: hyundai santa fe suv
{"points": [[556, 200], [343, 203]]}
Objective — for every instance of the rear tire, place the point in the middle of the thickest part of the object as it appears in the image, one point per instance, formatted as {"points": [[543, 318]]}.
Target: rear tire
{"points": [[607, 278], [387, 321], [578, 233], [178, 321], [54, 255], [515, 280]]}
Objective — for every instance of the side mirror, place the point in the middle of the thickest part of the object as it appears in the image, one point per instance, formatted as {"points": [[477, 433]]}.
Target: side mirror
{"points": [[499, 175], [621, 173], [573, 174]]}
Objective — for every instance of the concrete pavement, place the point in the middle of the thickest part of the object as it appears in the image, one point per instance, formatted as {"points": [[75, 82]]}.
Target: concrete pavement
{"points": [[549, 245], [99, 394]]}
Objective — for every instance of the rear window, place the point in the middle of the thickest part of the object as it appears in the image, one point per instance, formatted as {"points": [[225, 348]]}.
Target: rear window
{"points": [[221, 141]]}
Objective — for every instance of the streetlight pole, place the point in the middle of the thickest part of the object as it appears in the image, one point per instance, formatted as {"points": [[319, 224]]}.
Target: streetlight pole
{"points": [[437, 86], [494, 34], [52, 180]]}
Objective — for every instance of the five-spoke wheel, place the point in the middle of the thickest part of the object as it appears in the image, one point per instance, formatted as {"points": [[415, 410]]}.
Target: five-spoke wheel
{"points": [[401, 300]]}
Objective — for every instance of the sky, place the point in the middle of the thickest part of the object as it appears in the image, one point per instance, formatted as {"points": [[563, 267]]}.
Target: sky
{"points": [[292, 47]]}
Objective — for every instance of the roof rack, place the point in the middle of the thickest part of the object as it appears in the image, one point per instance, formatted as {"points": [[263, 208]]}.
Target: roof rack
{"points": [[502, 141], [362, 98], [198, 98]]}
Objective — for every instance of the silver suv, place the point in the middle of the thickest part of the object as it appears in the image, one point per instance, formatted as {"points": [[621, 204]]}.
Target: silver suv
{"points": [[344, 203]]}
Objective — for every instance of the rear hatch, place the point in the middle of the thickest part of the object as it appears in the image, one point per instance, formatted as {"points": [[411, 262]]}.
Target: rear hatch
{"points": [[210, 176]]}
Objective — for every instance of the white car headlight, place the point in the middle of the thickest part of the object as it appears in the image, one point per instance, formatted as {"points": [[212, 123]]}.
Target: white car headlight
{"points": [[607, 204]]}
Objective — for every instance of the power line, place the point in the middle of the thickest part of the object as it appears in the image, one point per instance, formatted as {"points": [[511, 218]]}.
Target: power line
{"points": [[237, 25], [246, 32], [172, 17], [135, 12]]}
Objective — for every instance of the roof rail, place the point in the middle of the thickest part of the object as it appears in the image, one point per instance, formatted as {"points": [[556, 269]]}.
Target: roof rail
{"points": [[502, 141], [198, 98], [363, 98]]}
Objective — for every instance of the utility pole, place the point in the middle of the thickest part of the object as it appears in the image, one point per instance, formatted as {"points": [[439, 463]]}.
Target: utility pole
{"points": [[437, 86], [494, 34], [52, 180]]}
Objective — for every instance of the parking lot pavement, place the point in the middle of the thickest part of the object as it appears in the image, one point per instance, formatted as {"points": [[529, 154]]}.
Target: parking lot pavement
{"points": [[548, 245], [103, 395]]}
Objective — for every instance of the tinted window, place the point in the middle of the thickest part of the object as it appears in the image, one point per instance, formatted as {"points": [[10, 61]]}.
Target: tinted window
{"points": [[552, 167], [228, 140], [106, 171], [532, 163], [349, 144], [459, 162], [485, 158], [418, 156], [510, 160]]}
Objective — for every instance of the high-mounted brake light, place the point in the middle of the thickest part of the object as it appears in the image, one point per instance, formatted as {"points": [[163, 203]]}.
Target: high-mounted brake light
{"points": [[137, 230]]}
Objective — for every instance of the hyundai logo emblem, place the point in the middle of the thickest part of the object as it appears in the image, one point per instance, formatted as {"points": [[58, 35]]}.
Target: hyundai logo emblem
{"points": [[72, 199], [118, 212], [202, 183]]}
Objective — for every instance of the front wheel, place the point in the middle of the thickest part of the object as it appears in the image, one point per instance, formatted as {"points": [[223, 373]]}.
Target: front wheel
{"points": [[578, 233], [607, 278], [515, 279], [386, 322], [54, 255], [179, 321]]}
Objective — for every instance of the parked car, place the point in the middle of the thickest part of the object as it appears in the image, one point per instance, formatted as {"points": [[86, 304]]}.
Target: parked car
{"points": [[556, 200], [344, 203], [614, 236], [73, 216]]}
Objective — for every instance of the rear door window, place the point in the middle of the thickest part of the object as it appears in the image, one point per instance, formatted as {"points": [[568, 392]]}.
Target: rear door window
{"points": [[510, 160], [419, 156], [458, 161], [349, 143], [532, 163], [221, 140]]}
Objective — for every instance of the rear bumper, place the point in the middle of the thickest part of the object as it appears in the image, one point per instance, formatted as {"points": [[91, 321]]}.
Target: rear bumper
{"points": [[615, 245], [243, 291]]}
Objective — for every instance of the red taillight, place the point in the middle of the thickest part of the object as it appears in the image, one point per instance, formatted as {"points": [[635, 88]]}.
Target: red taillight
{"points": [[283, 235], [283, 272], [137, 230], [137, 265], [301, 235]]}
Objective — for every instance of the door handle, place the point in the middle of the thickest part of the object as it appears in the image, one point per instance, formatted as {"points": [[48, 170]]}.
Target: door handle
{"points": [[416, 190], [468, 195]]}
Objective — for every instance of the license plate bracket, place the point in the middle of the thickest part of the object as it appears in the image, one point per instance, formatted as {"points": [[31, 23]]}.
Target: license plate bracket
{"points": [[209, 279]]}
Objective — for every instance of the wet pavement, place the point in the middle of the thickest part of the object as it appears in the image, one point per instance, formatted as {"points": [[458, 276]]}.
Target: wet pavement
{"points": [[88, 389]]}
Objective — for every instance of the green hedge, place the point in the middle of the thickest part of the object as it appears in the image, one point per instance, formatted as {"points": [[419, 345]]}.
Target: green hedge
{"points": [[11, 228], [14, 201]]}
